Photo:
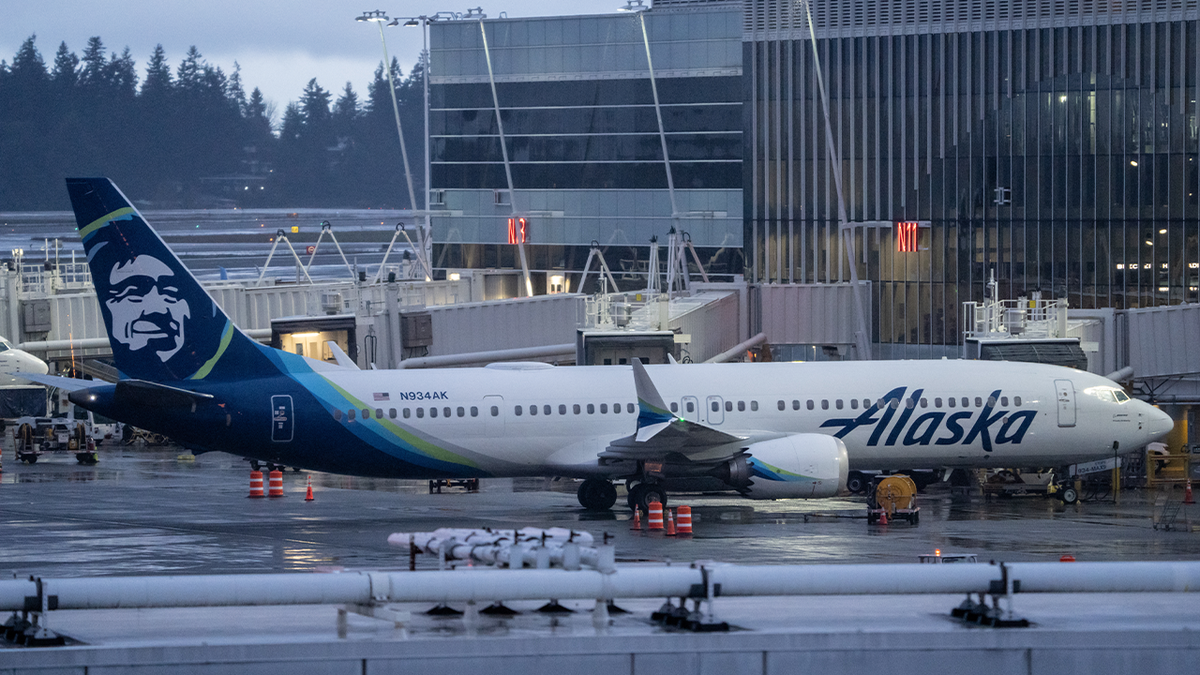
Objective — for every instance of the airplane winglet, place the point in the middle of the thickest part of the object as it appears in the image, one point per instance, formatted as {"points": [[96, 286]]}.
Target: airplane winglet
{"points": [[341, 357], [653, 415], [64, 383]]}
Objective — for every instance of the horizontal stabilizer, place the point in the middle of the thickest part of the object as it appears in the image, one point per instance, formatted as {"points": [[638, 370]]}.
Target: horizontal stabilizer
{"points": [[343, 359], [141, 392], [64, 383]]}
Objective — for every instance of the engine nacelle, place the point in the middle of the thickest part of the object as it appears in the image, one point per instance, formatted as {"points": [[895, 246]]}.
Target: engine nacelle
{"points": [[799, 466]]}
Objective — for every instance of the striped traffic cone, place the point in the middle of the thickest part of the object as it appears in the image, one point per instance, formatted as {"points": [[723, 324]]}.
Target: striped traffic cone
{"points": [[655, 520], [256, 491], [670, 523], [308, 497], [1187, 493], [275, 484], [684, 527], [636, 523]]}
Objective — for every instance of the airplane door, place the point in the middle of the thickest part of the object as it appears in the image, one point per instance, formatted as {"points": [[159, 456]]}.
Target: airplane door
{"points": [[690, 409], [281, 419], [715, 409], [493, 415], [1066, 402]]}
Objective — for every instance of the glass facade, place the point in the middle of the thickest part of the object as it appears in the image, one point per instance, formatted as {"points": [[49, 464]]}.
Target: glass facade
{"points": [[581, 132], [1053, 145]]}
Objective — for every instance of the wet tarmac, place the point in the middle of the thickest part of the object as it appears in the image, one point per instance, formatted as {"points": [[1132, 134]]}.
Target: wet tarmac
{"points": [[154, 510]]}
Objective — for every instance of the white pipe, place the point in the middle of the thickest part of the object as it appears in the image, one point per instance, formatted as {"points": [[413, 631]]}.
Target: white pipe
{"points": [[490, 356], [628, 582], [738, 349], [102, 343]]}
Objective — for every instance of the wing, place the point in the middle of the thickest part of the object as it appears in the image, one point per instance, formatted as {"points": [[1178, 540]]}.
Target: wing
{"points": [[661, 435]]}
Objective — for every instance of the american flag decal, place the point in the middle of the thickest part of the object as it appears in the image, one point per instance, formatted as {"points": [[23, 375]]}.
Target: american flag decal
{"points": [[381, 396]]}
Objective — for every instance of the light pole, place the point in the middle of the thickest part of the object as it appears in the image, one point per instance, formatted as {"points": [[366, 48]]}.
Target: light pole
{"points": [[379, 18]]}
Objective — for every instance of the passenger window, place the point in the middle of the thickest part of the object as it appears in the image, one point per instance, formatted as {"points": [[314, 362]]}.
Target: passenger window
{"points": [[591, 409], [866, 403], [474, 411], [691, 407], [937, 402], [517, 411], [575, 408], [629, 407], [603, 408], [950, 401], [741, 406], [966, 402], [924, 403], [562, 409], [753, 406], [991, 401], [379, 413], [495, 411], [838, 404], [728, 406], [546, 409], [392, 413], [350, 415], [978, 402], [366, 414], [674, 407], [337, 415], [895, 403], [616, 408], [824, 404], [810, 404], [854, 404], [433, 412], [533, 410], [782, 405], [420, 413], [1017, 401], [910, 403], [462, 412], [1004, 401], [716, 407], [795, 404], [407, 413]]}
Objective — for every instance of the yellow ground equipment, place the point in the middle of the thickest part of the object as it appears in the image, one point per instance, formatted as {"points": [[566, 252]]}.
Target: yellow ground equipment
{"points": [[894, 497]]}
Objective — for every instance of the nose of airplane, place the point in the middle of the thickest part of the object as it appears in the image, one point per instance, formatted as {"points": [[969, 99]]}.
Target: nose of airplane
{"points": [[1158, 422]]}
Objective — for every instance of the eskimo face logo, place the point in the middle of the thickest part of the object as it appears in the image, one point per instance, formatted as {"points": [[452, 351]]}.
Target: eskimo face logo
{"points": [[992, 425], [146, 309]]}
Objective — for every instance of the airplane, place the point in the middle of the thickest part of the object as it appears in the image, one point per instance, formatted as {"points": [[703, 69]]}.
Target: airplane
{"points": [[13, 359], [769, 430]]}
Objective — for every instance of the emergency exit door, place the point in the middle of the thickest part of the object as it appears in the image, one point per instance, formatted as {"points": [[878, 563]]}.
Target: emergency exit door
{"points": [[1065, 393], [281, 418]]}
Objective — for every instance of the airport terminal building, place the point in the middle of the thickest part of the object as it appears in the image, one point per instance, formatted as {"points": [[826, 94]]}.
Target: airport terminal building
{"points": [[1052, 144]]}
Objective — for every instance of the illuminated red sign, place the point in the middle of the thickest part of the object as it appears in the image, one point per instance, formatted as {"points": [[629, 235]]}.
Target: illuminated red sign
{"points": [[518, 232], [906, 236]]}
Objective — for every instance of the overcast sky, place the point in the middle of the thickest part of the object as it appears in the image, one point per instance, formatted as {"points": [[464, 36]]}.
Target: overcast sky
{"points": [[279, 45]]}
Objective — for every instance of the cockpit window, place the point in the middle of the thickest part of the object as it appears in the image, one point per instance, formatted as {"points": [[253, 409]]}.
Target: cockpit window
{"points": [[1107, 394], [4, 346], [1120, 396]]}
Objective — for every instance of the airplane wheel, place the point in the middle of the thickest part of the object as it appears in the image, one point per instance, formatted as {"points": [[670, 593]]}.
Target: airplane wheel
{"points": [[856, 482], [642, 494], [1068, 495], [597, 494]]}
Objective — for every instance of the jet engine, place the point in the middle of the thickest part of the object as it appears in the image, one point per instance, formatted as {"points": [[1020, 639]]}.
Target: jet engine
{"points": [[799, 466]]}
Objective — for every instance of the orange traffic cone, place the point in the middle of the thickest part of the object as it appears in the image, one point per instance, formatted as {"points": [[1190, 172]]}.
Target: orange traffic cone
{"points": [[685, 521], [1067, 557], [275, 484], [309, 496], [636, 523], [1187, 493], [655, 521], [256, 491], [670, 522], [883, 517]]}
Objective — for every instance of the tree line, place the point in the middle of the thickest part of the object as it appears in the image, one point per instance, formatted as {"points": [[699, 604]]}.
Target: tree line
{"points": [[190, 137]]}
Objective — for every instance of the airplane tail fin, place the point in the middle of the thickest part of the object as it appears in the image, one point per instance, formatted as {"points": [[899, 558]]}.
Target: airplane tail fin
{"points": [[162, 325]]}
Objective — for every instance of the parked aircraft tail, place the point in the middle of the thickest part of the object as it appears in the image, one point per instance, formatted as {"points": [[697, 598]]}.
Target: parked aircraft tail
{"points": [[162, 325]]}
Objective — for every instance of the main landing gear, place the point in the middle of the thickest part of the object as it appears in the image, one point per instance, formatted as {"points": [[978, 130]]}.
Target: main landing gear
{"points": [[597, 494], [641, 494]]}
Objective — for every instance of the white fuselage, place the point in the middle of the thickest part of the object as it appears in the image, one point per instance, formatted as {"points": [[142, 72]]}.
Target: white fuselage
{"points": [[945, 414]]}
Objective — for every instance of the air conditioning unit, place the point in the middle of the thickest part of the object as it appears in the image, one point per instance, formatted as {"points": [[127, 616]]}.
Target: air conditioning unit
{"points": [[331, 302]]}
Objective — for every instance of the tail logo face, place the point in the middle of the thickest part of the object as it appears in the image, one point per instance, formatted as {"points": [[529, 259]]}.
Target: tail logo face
{"points": [[146, 308]]}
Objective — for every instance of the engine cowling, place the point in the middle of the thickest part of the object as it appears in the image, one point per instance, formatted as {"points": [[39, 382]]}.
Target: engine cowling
{"points": [[799, 466]]}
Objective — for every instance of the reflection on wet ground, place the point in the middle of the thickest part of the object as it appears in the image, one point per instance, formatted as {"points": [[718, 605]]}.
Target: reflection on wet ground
{"points": [[156, 510]]}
